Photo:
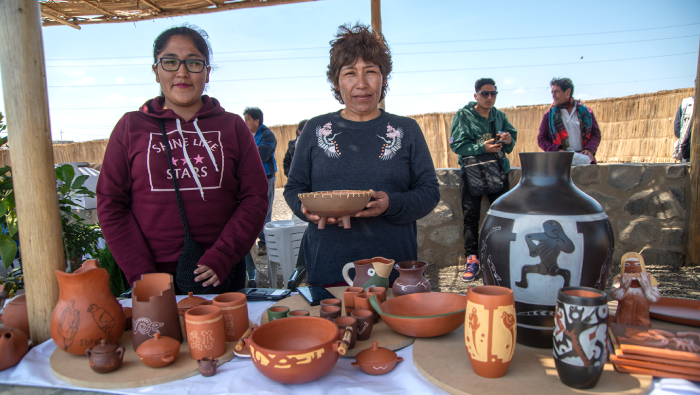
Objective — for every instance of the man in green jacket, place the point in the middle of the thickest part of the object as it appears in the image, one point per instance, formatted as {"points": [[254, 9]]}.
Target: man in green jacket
{"points": [[480, 128]]}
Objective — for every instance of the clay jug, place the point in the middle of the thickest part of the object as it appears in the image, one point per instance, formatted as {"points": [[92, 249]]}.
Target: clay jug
{"points": [[15, 314], [490, 330], [154, 308], [86, 312], [369, 272], [13, 346], [543, 235], [206, 333], [234, 308], [411, 279]]}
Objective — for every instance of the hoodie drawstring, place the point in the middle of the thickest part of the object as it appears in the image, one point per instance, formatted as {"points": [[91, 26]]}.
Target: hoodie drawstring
{"points": [[187, 157], [204, 142]]}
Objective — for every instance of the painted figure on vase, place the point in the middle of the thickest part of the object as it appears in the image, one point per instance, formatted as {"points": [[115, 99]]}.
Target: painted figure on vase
{"points": [[547, 246], [635, 290]]}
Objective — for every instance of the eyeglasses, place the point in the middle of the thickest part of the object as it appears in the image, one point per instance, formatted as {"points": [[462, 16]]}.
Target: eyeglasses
{"points": [[488, 93], [172, 64]]}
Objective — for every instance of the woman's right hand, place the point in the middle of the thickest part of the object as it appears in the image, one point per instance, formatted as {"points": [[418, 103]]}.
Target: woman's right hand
{"points": [[491, 146], [315, 218]]}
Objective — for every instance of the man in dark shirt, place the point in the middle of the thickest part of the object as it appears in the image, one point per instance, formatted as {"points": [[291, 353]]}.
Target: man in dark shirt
{"points": [[682, 128], [287, 162]]}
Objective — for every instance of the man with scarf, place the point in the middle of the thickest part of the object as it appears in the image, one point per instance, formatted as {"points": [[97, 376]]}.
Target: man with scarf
{"points": [[569, 123]]}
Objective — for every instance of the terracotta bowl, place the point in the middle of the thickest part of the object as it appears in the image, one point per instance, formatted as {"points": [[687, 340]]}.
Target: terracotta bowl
{"points": [[376, 360], [294, 350], [422, 314], [335, 204]]}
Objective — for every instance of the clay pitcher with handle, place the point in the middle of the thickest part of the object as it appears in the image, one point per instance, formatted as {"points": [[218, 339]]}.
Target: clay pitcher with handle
{"points": [[369, 272]]}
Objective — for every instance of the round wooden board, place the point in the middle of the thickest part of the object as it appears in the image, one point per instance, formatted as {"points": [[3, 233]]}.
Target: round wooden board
{"points": [[381, 333], [76, 370]]}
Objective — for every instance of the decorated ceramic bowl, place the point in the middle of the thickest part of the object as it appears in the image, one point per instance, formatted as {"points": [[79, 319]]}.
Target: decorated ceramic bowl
{"points": [[337, 204], [426, 314], [376, 360]]}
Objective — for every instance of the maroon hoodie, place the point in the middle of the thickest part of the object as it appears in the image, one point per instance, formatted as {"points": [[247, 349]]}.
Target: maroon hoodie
{"points": [[136, 201]]}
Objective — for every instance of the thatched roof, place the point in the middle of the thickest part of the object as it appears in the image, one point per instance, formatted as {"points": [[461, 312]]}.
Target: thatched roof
{"points": [[74, 13]]}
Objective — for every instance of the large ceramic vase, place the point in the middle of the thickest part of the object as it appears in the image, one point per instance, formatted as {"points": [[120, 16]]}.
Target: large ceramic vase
{"points": [[580, 336], [369, 272], [86, 311], [411, 279], [154, 308], [490, 330], [543, 235]]}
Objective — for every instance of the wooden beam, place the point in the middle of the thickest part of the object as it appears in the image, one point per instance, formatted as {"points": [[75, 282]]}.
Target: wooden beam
{"points": [[60, 20], [98, 8], [694, 220], [151, 5], [33, 174], [212, 3], [377, 27]]}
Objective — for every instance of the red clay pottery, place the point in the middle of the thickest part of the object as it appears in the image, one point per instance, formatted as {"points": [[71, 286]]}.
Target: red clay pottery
{"points": [[369, 272], [234, 308], [15, 314], [335, 204], [277, 312], [365, 323], [295, 350], [379, 291], [189, 302], [349, 298], [154, 308], [206, 333], [635, 290], [425, 314], [344, 322], [105, 357], [127, 318], [86, 311], [411, 279], [207, 366], [580, 336], [298, 313], [362, 302], [490, 330], [330, 312], [13, 346], [158, 351], [332, 302], [376, 360]]}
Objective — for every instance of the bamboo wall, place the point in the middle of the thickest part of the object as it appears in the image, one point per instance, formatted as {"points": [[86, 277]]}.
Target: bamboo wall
{"points": [[636, 128]]}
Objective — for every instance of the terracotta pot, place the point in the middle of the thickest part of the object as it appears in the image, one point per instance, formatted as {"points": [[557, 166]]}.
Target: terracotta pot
{"points": [[189, 302], [411, 279], [277, 312], [86, 311], [369, 272], [332, 302], [543, 235], [376, 360], [13, 346], [206, 333], [330, 312], [365, 323], [127, 318], [344, 322], [234, 308], [362, 302], [490, 330], [154, 308], [298, 313], [15, 314], [349, 298], [580, 336], [295, 350], [335, 204], [105, 358], [379, 291], [207, 366], [158, 351], [425, 314]]}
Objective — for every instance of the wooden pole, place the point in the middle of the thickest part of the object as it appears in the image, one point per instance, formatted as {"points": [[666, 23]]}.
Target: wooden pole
{"points": [[694, 220], [377, 27], [29, 131]]}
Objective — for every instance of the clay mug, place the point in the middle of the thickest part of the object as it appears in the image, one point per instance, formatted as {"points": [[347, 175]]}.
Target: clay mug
{"points": [[234, 308], [207, 366], [379, 291], [490, 330], [580, 336], [411, 279], [344, 322], [277, 312], [349, 298], [105, 358], [365, 322], [369, 272], [13, 346], [298, 313], [332, 302], [206, 334], [330, 312], [362, 302]]}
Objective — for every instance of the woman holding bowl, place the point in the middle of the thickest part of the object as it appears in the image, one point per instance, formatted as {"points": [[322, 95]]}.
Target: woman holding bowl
{"points": [[362, 147], [182, 140]]}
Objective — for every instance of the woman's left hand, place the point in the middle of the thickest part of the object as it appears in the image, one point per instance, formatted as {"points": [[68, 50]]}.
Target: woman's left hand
{"points": [[375, 207], [204, 274]]}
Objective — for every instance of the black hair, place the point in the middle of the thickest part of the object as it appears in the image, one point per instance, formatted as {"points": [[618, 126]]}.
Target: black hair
{"points": [[254, 113], [483, 81], [301, 125], [563, 84], [199, 38]]}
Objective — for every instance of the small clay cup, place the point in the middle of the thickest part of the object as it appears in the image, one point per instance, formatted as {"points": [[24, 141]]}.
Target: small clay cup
{"points": [[332, 302], [206, 334], [330, 312], [342, 323], [365, 323], [277, 312], [105, 357], [298, 313], [349, 298], [362, 302], [207, 366], [379, 291]]}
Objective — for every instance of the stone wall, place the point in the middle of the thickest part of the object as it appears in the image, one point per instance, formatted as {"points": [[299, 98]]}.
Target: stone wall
{"points": [[645, 203]]}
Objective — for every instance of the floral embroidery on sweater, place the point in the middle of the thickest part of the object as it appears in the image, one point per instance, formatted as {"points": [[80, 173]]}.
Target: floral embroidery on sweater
{"points": [[326, 143], [392, 144]]}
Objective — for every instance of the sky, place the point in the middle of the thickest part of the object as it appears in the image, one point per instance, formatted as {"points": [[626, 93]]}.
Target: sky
{"points": [[276, 57]]}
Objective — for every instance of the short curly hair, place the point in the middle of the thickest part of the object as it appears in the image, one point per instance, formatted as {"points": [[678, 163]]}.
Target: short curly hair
{"points": [[353, 43]]}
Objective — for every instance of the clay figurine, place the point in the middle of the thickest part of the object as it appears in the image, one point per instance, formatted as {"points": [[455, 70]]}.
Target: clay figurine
{"points": [[105, 358], [635, 290], [207, 366]]}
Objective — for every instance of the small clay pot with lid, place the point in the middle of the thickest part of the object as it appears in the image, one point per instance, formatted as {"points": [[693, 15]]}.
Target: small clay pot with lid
{"points": [[185, 305], [376, 360], [159, 351], [106, 357]]}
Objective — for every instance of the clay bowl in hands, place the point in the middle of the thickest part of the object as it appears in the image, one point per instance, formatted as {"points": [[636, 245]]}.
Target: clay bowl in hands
{"points": [[376, 360], [335, 204], [426, 314], [294, 350]]}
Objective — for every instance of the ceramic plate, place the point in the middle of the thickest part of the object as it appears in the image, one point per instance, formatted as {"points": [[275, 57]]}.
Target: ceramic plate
{"points": [[681, 311]]}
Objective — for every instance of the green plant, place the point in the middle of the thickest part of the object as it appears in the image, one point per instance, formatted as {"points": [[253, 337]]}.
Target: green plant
{"points": [[8, 214], [117, 280]]}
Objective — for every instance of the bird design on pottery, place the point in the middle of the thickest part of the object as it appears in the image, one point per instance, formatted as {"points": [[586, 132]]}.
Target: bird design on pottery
{"points": [[103, 319], [378, 274]]}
